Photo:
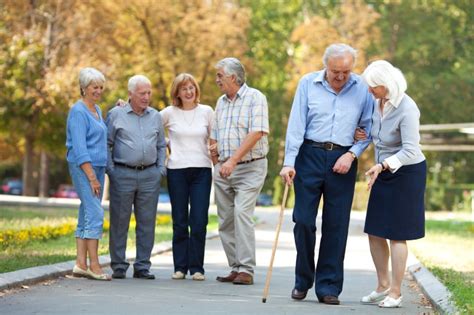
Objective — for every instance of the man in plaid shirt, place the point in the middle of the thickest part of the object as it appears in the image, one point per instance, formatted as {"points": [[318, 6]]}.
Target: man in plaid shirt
{"points": [[239, 146]]}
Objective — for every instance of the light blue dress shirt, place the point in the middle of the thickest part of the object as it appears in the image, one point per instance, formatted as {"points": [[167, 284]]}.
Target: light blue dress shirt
{"points": [[322, 115]]}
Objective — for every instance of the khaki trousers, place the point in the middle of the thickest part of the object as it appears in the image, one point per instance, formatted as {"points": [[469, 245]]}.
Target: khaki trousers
{"points": [[235, 199]]}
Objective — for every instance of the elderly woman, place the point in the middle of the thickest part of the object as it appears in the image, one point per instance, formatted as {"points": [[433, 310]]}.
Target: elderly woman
{"points": [[86, 144], [189, 174], [396, 204]]}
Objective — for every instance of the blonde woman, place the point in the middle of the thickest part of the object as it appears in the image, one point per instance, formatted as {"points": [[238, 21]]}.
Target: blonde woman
{"points": [[189, 175]]}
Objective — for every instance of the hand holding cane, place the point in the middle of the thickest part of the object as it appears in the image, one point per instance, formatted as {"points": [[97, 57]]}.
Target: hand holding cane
{"points": [[275, 243]]}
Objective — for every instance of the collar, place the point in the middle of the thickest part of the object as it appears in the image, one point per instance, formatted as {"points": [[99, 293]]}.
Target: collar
{"points": [[240, 93], [128, 109], [395, 102]]}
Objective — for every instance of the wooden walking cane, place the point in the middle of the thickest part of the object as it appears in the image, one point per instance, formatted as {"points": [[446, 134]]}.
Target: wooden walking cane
{"points": [[275, 243]]}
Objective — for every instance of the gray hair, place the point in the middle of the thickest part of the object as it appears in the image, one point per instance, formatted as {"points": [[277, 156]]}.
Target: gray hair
{"points": [[338, 50], [89, 75], [383, 73], [232, 66], [134, 81]]}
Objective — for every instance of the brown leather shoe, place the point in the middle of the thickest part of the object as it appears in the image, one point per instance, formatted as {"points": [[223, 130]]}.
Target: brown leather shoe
{"points": [[243, 278], [298, 295], [330, 299], [229, 278]]}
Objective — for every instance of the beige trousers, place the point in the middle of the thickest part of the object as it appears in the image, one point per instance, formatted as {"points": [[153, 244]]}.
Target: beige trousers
{"points": [[235, 199]]}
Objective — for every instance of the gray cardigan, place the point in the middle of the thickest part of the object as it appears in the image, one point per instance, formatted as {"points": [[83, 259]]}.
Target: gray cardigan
{"points": [[397, 137]]}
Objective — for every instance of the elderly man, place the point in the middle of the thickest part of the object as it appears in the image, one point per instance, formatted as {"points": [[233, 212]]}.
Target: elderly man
{"points": [[240, 130], [137, 151], [321, 158]]}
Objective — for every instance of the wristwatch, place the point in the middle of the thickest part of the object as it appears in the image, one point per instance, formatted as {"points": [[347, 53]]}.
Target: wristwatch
{"points": [[353, 155]]}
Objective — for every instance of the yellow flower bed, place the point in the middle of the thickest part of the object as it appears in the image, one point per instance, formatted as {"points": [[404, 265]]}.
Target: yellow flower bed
{"points": [[19, 237]]}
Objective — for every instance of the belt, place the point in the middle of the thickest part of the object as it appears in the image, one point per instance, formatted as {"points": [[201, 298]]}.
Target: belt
{"points": [[328, 146], [250, 161], [137, 168]]}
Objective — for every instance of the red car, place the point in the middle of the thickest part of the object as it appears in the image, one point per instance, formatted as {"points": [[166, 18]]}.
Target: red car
{"points": [[65, 191]]}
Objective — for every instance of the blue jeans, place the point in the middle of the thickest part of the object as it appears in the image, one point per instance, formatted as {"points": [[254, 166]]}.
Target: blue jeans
{"points": [[91, 214], [189, 190], [315, 178]]}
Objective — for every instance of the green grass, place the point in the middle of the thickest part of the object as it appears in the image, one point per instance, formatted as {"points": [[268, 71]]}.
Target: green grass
{"points": [[39, 253], [448, 252]]}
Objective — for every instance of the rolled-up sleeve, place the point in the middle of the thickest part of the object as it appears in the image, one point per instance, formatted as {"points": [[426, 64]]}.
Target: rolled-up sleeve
{"points": [[296, 124], [259, 114]]}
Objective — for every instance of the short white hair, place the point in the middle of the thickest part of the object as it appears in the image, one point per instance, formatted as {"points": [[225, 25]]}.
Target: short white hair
{"points": [[338, 50], [89, 75], [233, 66], [382, 72], [134, 81]]}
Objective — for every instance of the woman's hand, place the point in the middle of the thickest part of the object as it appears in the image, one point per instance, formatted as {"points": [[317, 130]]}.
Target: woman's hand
{"points": [[360, 134], [95, 185], [373, 172]]}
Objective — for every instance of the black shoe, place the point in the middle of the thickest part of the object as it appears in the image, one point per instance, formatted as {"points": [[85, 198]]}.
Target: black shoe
{"points": [[119, 274], [143, 274], [298, 295]]}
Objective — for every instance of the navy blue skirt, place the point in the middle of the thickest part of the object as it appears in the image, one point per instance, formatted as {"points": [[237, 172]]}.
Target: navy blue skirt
{"points": [[396, 209]]}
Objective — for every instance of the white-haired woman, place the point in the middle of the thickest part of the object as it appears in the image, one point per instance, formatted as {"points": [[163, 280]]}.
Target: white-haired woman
{"points": [[86, 143], [396, 205]]}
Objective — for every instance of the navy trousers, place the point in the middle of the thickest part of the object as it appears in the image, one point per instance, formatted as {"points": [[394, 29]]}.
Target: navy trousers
{"points": [[189, 190], [315, 178]]}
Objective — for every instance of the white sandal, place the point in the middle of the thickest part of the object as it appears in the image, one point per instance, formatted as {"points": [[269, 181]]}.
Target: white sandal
{"points": [[390, 302], [374, 297]]}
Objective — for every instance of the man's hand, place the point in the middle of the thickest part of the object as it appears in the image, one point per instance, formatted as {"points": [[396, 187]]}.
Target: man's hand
{"points": [[343, 163], [227, 167], [287, 174]]}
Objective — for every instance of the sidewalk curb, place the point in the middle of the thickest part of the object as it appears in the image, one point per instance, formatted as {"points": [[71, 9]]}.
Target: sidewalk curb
{"points": [[28, 276], [433, 289]]}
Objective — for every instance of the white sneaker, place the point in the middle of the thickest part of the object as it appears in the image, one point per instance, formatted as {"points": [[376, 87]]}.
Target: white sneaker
{"points": [[178, 275], [390, 302], [374, 297], [198, 276]]}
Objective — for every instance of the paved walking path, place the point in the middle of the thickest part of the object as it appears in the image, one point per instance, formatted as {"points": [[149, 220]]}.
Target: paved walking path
{"points": [[166, 296]]}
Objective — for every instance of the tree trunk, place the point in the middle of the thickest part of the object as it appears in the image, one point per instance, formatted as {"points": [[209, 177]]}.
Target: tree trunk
{"points": [[44, 175], [28, 175]]}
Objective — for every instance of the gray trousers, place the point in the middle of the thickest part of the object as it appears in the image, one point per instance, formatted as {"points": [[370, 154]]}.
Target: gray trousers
{"points": [[235, 198], [139, 189]]}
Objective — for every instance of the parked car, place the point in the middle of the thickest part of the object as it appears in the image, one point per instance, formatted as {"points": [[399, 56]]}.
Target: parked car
{"points": [[264, 200], [12, 187], [65, 191]]}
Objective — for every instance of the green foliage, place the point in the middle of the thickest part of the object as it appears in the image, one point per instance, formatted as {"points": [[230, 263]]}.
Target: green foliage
{"points": [[443, 252]]}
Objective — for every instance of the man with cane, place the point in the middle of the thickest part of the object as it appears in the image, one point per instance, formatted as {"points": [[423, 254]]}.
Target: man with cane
{"points": [[321, 159]]}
